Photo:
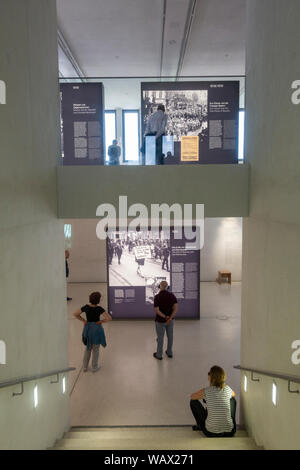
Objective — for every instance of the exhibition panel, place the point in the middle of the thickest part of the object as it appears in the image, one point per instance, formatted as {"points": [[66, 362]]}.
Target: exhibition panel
{"points": [[181, 121], [82, 123], [139, 260], [201, 121]]}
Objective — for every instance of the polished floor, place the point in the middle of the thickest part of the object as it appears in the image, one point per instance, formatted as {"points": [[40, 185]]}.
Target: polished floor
{"points": [[133, 388]]}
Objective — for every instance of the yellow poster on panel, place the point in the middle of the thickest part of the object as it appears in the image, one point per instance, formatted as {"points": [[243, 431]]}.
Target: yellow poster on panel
{"points": [[190, 148]]}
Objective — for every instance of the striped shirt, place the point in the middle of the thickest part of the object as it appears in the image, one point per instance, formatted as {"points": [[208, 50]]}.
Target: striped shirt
{"points": [[218, 409]]}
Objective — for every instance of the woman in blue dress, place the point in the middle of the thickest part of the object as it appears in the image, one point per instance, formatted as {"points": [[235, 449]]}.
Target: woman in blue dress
{"points": [[93, 333]]}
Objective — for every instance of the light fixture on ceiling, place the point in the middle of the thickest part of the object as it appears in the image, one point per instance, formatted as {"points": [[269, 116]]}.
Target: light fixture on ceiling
{"points": [[172, 42]]}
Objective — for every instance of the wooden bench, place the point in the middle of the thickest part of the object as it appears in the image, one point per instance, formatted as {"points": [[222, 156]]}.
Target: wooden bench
{"points": [[224, 275]]}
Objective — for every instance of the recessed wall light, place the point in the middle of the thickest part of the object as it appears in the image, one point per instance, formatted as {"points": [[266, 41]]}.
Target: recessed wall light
{"points": [[35, 396], [64, 385], [274, 394], [245, 383]]}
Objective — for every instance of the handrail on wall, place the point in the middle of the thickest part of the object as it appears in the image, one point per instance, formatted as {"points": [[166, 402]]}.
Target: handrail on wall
{"points": [[274, 375], [22, 380]]}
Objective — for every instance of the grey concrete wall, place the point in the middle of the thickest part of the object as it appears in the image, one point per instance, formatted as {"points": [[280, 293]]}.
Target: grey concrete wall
{"points": [[222, 188], [32, 271], [271, 244]]}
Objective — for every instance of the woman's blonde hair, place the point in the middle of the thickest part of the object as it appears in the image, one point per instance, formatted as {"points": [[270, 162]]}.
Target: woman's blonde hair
{"points": [[217, 377]]}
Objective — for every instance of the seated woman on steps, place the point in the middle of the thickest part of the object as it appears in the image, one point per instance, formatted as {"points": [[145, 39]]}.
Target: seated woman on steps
{"points": [[218, 418], [93, 333]]}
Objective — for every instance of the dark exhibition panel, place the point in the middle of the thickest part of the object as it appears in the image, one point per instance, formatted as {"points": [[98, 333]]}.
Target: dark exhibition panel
{"points": [[139, 261], [202, 124], [82, 124]]}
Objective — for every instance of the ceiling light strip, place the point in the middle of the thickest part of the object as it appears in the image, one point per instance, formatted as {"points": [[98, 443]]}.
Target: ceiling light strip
{"points": [[68, 53], [186, 36], [121, 77], [163, 37]]}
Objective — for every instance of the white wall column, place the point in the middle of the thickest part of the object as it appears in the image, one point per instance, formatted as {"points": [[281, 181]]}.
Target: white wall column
{"points": [[32, 267], [271, 244]]}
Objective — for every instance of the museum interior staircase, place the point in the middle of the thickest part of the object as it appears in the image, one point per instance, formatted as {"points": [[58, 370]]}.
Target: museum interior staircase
{"points": [[149, 438]]}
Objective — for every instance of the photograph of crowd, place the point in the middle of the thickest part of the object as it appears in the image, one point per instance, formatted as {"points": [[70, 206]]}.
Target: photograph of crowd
{"points": [[186, 111], [138, 259]]}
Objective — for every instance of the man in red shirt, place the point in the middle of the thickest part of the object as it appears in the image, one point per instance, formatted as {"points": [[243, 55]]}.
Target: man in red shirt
{"points": [[165, 307]]}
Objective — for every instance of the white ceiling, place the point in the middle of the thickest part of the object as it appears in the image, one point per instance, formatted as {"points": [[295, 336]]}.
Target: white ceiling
{"points": [[217, 44], [124, 37]]}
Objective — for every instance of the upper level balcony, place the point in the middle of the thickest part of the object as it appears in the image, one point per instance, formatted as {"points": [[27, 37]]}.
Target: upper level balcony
{"points": [[112, 144], [223, 189]]}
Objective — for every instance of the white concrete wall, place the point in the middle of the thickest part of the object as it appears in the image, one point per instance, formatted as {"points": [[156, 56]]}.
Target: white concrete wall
{"points": [[32, 271], [271, 243], [87, 262], [222, 250], [223, 189]]}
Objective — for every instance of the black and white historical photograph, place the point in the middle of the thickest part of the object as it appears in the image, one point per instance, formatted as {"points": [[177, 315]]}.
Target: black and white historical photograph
{"points": [[186, 111], [139, 259]]}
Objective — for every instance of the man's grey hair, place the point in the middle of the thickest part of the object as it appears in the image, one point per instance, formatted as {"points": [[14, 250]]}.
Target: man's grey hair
{"points": [[163, 285]]}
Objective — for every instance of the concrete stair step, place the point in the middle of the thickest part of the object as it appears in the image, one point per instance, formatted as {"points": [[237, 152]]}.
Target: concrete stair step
{"points": [[237, 443], [144, 433], [150, 438]]}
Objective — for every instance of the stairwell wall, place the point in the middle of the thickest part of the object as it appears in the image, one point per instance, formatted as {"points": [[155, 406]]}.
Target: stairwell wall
{"points": [[33, 317], [271, 235]]}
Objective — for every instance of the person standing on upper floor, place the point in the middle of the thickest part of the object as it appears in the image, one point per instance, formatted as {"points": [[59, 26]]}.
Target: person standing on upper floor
{"points": [[218, 418], [114, 152], [156, 126], [165, 307]]}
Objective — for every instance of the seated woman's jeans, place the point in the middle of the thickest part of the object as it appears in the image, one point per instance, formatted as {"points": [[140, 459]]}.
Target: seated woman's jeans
{"points": [[200, 415]]}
